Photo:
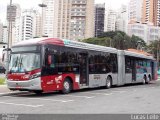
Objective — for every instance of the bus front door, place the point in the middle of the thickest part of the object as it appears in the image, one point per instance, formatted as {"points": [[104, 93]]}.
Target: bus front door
{"points": [[83, 62]]}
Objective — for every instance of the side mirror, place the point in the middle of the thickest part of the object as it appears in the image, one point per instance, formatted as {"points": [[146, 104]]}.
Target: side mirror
{"points": [[49, 59]]}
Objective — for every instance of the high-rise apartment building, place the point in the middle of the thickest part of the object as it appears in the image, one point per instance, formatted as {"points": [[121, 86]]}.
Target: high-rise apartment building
{"points": [[5, 34], [48, 19], [147, 32], [69, 19], [151, 12], [1, 31], [38, 23], [110, 20], [122, 19], [26, 25], [99, 19], [135, 10], [13, 12]]}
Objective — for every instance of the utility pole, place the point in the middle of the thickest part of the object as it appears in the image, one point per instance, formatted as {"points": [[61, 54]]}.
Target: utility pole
{"points": [[9, 25], [9, 36]]}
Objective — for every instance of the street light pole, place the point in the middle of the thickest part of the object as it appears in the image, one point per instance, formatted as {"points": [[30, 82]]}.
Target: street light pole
{"points": [[42, 6], [9, 36], [9, 26]]}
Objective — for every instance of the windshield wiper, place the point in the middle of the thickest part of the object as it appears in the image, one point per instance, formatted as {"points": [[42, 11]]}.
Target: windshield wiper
{"points": [[14, 65], [22, 66]]}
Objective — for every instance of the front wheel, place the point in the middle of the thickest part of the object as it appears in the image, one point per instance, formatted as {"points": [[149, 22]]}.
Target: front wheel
{"points": [[108, 82], [67, 86]]}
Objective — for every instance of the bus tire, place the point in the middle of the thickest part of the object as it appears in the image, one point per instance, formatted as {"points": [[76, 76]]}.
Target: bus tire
{"points": [[144, 80], [108, 82], [67, 86], [149, 79]]}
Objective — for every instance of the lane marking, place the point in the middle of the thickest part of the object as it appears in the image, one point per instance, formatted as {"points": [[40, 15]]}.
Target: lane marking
{"points": [[119, 91], [7, 93], [87, 97], [7, 103], [152, 87], [18, 93], [55, 100]]}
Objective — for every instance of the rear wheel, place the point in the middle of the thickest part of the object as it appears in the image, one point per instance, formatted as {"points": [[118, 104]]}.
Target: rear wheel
{"points": [[67, 86], [149, 79], [108, 82], [144, 80]]}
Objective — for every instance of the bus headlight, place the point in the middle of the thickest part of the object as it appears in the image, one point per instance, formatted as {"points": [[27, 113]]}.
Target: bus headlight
{"points": [[36, 75]]}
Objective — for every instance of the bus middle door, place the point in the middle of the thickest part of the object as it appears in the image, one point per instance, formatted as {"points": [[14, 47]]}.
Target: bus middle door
{"points": [[83, 62], [49, 72]]}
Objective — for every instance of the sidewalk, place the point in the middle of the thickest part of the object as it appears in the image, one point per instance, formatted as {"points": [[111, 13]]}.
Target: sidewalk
{"points": [[4, 89]]}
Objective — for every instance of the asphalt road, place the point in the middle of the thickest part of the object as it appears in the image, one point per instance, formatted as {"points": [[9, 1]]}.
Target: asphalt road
{"points": [[126, 99]]}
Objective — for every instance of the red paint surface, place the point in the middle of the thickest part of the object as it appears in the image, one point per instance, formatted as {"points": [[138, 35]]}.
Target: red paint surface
{"points": [[53, 41], [21, 76], [52, 86]]}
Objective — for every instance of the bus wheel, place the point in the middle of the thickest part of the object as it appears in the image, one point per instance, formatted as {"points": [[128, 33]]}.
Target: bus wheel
{"points": [[144, 80], [67, 86], [108, 82], [149, 79]]}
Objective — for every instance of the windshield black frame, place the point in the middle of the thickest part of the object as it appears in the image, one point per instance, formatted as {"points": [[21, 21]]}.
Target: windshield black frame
{"points": [[37, 51]]}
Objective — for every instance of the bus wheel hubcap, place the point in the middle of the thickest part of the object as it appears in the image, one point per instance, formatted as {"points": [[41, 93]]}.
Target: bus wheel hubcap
{"points": [[66, 85], [108, 83]]}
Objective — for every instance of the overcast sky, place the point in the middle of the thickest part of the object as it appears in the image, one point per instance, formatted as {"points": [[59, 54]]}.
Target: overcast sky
{"points": [[34, 4]]}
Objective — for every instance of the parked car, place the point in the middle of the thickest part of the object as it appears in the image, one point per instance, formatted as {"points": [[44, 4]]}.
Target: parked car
{"points": [[2, 69]]}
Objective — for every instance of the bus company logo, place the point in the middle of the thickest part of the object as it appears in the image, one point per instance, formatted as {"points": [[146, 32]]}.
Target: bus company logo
{"points": [[9, 117], [58, 79], [97, 77]]}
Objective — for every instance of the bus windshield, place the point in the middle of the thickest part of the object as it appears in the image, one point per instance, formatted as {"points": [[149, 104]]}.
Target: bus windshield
{"points": [[24, 62]]}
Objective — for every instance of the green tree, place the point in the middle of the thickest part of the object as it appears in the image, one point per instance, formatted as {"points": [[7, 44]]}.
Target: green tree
{"points": [[154, 47], [127, 42], [105, 41], [135, 40], [117, 39]]}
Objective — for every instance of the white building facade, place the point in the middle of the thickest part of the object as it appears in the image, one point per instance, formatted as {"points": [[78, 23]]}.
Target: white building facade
{"points": [[5, 34], [135, 10], [122, 19], [1, 31], [26, 26], [110, 20], [69, 19], [147, 32], [48, 18]]}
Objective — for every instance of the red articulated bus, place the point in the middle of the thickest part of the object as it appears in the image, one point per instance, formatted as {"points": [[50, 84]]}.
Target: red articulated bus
{"points": [[52, 64]]}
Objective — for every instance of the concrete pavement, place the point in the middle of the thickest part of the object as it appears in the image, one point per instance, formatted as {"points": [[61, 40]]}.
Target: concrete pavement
{"points": [[4, 89], [126, 99]]}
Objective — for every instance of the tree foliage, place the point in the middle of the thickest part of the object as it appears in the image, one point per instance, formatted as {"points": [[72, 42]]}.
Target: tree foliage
{"points": [[117, 39], [154, 47]]}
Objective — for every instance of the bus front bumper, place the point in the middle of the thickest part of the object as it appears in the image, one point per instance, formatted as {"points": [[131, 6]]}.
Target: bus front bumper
{"points": [[29, 85]]}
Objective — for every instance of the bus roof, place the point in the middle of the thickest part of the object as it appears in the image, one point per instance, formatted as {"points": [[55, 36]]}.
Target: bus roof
{"points": [[139, 55], [67, 43], [75, 44]]}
